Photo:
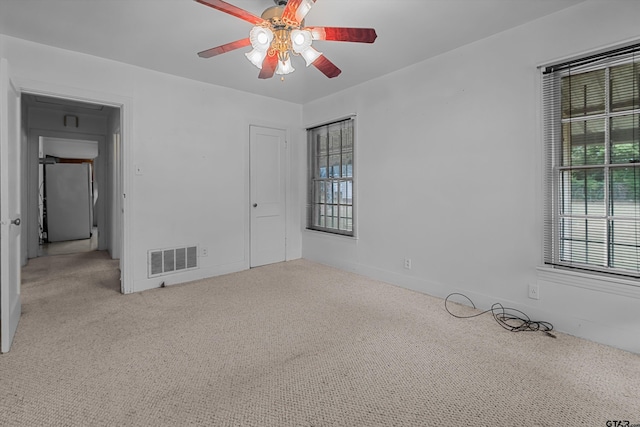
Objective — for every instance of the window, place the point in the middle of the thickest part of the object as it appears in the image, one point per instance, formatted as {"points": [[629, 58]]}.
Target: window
{"points": [[330, 184], [592, 163]]}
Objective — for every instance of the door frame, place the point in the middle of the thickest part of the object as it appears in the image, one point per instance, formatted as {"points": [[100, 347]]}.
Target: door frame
{"points": [[286, 171], [125, 104]]}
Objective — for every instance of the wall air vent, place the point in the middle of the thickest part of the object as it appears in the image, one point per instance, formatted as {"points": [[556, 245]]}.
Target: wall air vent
{"points": [[174, 260]]}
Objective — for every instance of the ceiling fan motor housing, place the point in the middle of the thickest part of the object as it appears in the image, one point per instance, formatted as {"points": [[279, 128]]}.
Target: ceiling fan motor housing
{"points": [[274, 16], [272, 12]]}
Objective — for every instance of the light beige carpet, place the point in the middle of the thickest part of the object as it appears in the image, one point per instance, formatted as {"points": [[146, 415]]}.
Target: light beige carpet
{"points": [[291, 344]]}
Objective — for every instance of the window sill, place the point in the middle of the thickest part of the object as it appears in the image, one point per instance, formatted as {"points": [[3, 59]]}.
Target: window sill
{"points": [[595, 282], [329, 234]]}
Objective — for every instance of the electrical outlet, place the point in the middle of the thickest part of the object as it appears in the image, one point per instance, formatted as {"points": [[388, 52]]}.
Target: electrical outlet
{"points": [[204, 252], [534, 292], [407, 263]]}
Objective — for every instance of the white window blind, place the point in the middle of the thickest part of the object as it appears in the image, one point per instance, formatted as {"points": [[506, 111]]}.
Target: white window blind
{"points": [[592, 163], [330, 184]]}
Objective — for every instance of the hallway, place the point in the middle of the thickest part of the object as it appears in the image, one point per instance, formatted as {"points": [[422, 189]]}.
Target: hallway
{"points": [[71, 246]]}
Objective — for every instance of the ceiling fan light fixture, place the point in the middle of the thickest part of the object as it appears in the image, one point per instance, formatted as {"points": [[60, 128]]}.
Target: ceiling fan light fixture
{"points": [[280, 33], [310, 55], [261, 38], [256, 57], [300, 40], [285, 67]]}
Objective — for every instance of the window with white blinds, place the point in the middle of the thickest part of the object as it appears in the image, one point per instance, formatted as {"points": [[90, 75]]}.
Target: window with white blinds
{"points": [[592, 163], [330, 185]]}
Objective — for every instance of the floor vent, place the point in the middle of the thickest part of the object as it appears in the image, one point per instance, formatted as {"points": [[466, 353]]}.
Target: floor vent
{"points": [[167, 261]]}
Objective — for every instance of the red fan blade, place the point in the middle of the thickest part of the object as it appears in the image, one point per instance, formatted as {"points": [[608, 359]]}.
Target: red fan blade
{"points": [[296, 10], [224, 48], [232, 10], [341, 34], [268, 67], [327, 67]]}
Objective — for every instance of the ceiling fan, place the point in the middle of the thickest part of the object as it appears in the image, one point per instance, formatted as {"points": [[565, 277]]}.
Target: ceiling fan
{"points": [[280, 33]]}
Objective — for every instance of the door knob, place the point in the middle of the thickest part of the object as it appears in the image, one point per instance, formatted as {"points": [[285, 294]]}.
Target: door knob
{"points": [[16, 221], [255, 205]]}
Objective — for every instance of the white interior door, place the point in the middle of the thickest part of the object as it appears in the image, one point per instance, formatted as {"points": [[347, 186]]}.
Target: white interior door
{"points": [[268, 195], [9, 208]]}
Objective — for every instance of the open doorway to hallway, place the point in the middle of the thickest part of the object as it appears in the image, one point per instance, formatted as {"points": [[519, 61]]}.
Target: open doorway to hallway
{"points": [[72, 197]]}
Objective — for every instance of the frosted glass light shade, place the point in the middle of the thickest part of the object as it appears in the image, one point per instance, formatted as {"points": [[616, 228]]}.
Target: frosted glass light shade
{"points": [[261, 38], [256, 57], [285, 67], [310, 55], [300, 40]]}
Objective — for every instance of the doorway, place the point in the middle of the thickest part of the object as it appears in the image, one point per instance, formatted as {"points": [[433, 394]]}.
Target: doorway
{"points": [[74, 184], [268, 170]]}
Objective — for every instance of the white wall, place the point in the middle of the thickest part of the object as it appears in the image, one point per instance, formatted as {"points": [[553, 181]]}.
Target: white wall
{"points": [[189, 139], [448, 151], [449, 175]]}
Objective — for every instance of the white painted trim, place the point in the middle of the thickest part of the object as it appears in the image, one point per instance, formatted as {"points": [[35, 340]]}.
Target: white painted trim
{"points": [[191, 275], [331, 120], [126, 147], [289, 208], [125, 104], [589, 52], [594, 282], [246, 262], [355, 202], [287, 189], [327, 234], [356, 163]]}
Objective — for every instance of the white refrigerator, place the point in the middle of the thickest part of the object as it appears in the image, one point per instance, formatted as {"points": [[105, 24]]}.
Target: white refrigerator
{"points": [[69, 201]]}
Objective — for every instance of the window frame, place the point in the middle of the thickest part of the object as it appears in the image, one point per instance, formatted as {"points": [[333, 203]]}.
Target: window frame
{"points": [[553, 167], [313, 199]]}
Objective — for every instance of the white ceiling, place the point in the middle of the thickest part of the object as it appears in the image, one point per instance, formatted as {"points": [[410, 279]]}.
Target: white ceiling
{"points": [[165, 35]]}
